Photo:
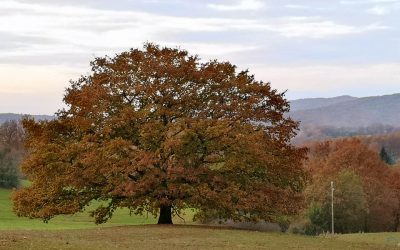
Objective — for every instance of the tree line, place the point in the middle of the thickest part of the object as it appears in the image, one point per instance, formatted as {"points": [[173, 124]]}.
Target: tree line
{"points": [[367, 189]]}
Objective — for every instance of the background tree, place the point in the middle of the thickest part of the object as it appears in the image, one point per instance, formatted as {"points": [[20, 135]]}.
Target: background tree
{"points": [[350, 203], [395, 185], [9, 176], [11, 152], [12, 135], [157, 130]]}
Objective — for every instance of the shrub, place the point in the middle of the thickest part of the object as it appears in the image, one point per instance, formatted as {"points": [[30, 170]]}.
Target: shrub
{"points": [[284, 223]]}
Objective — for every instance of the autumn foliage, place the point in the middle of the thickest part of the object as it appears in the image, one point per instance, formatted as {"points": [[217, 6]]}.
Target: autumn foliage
{"points": [[366, 200], [157, 130]]}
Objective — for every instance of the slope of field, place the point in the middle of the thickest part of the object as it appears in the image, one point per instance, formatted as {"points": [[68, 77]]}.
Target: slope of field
{"points": [[186, 237], [360, 112]]}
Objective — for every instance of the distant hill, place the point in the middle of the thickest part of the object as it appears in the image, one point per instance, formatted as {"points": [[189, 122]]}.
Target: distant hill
{"points": [[313, 103], [347, 111], [11, 116]]}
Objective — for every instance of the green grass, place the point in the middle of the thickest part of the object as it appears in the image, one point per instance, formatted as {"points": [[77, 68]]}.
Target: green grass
{"points": [[392, 239], [176, 237], [131, 232], [9, 221]]}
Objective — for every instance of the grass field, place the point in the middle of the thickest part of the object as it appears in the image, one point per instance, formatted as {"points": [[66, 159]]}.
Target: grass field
{"points": [[131, 232], [182, 237], [9, 221]]}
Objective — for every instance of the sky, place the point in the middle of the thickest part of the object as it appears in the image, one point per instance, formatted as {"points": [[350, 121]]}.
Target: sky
{"points": [[309, 48]]}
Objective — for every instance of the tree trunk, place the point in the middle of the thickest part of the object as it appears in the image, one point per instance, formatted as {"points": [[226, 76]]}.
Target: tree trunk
{"points": [[165, 215]]}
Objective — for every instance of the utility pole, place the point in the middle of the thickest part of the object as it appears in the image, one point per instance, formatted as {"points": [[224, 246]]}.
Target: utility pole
{"points": [[333, 223]]}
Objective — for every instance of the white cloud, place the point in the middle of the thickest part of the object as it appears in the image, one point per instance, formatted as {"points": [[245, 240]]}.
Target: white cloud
{"points": [[214, 49], [375, 7], [318, 28], [378, 10], [82, 29], [296, 6], [64, 39], [241, 5]]}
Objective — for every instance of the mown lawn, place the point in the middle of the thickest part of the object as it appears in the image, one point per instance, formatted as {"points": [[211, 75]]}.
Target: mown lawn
{"points": [[131, 232], [176, 237], [9, 221], [392, 239]]}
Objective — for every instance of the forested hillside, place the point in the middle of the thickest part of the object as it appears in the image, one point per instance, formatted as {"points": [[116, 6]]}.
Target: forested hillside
{"points": [[345, 116], [313, 103], [15, 117], [348, 111]]}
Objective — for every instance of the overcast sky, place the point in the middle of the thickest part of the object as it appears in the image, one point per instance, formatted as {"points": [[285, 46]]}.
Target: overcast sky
{"points": [[312, 48]]}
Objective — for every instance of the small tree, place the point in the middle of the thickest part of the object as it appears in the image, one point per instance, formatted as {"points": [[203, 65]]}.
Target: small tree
{"points": [[157, 130], [8, 169]]}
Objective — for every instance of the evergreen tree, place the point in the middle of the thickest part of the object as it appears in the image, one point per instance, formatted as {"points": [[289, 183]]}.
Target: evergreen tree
{"points": [[387, 157]]}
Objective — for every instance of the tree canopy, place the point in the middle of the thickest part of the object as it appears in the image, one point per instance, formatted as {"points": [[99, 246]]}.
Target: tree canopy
{"points": [[350, 204], [157, 130]]}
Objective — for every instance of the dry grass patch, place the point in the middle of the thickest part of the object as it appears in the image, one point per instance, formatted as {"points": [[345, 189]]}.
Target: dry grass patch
{"points": [[172, 237]]}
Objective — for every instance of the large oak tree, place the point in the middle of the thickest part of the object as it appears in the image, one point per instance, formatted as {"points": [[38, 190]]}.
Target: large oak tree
{"points": [[157, 130]]}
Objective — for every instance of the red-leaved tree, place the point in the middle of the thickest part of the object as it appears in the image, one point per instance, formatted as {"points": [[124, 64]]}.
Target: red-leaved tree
{"points": [[158, 130]]}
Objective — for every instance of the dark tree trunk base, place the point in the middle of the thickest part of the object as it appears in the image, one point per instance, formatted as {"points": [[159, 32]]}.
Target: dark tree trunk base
{"points": [[165, 215]]}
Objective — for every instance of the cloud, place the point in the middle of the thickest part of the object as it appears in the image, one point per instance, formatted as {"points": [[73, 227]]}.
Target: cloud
{"points": [[89, 29], [318, 28], [296, 6], [351, 2], [242, 5], [214, 49], [74, 35], [45, 43], [378, 10], [375, 7], [330, 79]]}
